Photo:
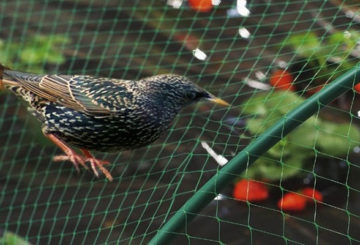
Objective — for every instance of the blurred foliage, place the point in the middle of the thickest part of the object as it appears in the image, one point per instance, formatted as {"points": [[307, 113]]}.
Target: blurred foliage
{"points": [[9, 238], [330, 56], [33, 54], [314, 136]]}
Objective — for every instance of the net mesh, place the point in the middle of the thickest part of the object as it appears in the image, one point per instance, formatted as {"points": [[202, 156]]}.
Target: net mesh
{"points": [[263, 57]]}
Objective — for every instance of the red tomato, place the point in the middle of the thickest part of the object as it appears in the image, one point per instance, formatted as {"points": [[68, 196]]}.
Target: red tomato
{"points": [[313, 194], [282, 80], [201, 5], [292, 202], [357, 87], [250, 190]]}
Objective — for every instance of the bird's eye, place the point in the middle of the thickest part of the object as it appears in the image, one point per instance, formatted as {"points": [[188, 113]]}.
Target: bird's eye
{"points": [[199, 95]]}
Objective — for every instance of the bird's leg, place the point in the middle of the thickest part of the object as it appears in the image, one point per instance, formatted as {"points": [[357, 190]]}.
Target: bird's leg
{"points": [[77, 159], [97, 163], [71, 155]]}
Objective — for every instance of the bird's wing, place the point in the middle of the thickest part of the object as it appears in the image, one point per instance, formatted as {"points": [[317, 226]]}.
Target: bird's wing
{"points": [[95, 96], [64, 91], [91, 95]]}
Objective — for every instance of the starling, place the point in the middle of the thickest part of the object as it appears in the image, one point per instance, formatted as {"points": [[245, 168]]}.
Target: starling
{"points": [[102, 114]]}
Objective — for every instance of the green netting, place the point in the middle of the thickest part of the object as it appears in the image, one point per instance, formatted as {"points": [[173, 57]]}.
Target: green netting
{"points": [[266, 58]]}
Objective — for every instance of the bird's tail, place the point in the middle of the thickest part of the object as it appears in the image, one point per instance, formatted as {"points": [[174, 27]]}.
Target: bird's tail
{"points": [[2, 68], [3, 80]]}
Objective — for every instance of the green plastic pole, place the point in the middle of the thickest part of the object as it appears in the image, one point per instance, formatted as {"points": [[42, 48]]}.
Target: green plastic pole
{"points": [[248, 155]]}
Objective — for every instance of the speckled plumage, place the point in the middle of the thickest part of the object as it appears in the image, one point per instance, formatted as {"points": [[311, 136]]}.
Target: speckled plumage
{"points": [[104, 114]]}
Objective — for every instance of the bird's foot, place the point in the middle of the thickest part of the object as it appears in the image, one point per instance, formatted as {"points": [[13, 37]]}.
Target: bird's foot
{"points": [[96, 163], [76, 159], [70, 154], [73, 157]]}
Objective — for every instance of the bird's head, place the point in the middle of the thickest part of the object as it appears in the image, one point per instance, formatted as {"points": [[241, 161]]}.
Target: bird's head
{"points": [[179, 90]]}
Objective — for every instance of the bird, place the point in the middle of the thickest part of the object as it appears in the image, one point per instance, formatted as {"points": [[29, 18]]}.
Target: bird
{"points": [[102, 114]]}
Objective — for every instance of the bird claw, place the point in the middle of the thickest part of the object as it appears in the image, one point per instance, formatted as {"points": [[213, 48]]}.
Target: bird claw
{"points": [[81, 160], [61, 158], [99, 163], [76, 159], [73, 157]]}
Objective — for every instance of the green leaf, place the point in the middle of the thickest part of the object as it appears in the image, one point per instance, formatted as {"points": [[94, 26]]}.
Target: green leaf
{"points": [[31, 56], [337, 139], [34, 53], [255, 126], [344, 42], [268, 109], [10, 238], [305, 135], [258, 125], [59, 40], [305, 44], [283, 101], [272, 169], [55, 58], [294, 150], [264, 103], [255, 105], [280, 149], [331, 56], [252, 172]]}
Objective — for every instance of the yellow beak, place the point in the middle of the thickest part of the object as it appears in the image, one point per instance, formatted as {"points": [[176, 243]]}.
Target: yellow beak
{"points": [[219, 101]]}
